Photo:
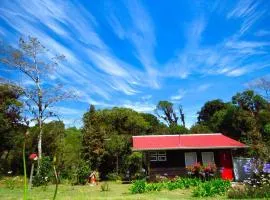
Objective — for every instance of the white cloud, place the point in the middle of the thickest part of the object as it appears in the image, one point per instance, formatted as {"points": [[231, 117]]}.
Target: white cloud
{"points": [[179, 95], [140, 106], [262, 33], [140, 32], [204, 87]]}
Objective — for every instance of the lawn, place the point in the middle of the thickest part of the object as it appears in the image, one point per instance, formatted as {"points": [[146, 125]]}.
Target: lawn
{"points": [[117, 191]]}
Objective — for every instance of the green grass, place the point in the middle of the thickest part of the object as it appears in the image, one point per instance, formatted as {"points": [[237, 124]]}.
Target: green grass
{"points": [[68, 192]]}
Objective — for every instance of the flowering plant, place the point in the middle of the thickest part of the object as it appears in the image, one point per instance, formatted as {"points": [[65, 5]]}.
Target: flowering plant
{"points": [[203, 171], [259, 172]]}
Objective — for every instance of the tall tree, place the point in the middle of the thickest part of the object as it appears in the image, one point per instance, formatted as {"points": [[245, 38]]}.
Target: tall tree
{"points": [[10, 116], [250, 101], [165, 111], [209, 109], [263, 87], [33, 61]]}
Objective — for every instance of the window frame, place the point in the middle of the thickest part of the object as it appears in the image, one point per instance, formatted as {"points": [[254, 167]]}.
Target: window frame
{"points": [[158, 156], [208, 152], [196, 157]]}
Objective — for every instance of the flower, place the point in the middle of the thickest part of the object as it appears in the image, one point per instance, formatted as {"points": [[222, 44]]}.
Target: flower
{"points": [[266, 168]]}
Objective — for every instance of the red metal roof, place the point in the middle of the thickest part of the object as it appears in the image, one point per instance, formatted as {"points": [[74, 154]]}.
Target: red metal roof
{"points": [[188, 141]]}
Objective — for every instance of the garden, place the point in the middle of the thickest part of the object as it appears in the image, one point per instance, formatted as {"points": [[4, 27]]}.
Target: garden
{"points": [[202, 181]]}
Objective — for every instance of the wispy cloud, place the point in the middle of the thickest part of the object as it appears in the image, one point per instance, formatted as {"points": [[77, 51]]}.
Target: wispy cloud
{"points": [[139, 106], [140, 32], [179, 95], [204, 87], [262, 33]]}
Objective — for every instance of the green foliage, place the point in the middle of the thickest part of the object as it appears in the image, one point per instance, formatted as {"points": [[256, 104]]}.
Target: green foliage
{"points": [[10, 182], [250, 101], [138, 186], [200, 128], [209, 109], [71, 153], [106, 139], [133, 163], [177, 129], [45, 174], [11, 129], [266, 129], [53, 137], [166, 112], [82, 173], [104, 187], [248, 192], [211, 188], [154, 187], [114, 177]]}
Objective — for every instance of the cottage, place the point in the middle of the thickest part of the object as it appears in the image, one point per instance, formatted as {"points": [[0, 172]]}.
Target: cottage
{"points": [[171, 154]]}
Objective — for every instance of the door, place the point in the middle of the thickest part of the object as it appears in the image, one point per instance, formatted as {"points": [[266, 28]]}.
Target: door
{"points": [[226, 165]]}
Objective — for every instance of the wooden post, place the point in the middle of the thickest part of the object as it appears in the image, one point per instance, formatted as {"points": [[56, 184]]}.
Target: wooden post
{"points": [[31, 176]]}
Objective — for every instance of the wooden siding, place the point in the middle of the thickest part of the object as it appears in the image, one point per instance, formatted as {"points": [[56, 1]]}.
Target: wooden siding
{"points": [[175, 164]]}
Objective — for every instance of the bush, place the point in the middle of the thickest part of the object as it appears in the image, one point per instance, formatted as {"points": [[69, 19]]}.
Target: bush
{"points": [[181, 183], [82, 173], [211, 188], [202, 171], [114, 177], [45, 172], [141, 186], [138, 186], [154, 187], [248, 192]]}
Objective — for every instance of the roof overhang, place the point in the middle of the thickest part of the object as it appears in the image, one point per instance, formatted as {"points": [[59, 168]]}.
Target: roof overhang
{"points": [[190, 148]]}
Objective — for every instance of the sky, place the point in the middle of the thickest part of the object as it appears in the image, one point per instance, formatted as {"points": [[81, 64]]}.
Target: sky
{"points": [[135, 53]]}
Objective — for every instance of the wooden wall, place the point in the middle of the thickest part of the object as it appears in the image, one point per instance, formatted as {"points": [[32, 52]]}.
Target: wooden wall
{"points": [[175, 164]]}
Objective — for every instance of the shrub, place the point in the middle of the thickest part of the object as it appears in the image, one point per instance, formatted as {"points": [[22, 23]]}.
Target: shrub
{"points": [[138, 186], [211, 188], [45, 172], [104, 187], [82, 173], [10, 182], [114, 177], [154, 187], [203, 171]]}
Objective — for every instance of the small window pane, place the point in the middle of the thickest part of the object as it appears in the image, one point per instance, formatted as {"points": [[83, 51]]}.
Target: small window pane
{"points": [[190, 158], [158, 156], [208, 157], [153, 156]]}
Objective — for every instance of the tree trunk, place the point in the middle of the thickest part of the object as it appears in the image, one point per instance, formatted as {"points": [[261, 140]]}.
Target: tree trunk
{"points": [[117, 164], [39, 145]]}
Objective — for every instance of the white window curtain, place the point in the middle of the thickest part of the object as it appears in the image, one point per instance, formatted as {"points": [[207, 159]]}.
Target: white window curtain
{"points": [[208, 157], [190, 158]]}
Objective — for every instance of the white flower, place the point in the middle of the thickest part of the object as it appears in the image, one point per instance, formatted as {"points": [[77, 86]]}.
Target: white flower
{"points": [[10, 172]]}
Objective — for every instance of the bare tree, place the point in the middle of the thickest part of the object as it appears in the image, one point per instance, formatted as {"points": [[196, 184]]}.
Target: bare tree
{"points": [[263, 85], [33, 61], [165, 111], [182, 115]]}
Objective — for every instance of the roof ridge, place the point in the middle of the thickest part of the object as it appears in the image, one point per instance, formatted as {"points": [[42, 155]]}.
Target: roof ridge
{"points": [[193, 134]]}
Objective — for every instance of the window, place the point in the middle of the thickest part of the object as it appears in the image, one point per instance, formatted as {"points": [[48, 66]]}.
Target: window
{"points": [[158, 156], [190, 158], [208, 157]]}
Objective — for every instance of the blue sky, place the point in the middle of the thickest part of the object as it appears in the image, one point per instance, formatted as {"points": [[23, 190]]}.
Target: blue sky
{"points": [[135, 53]]}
